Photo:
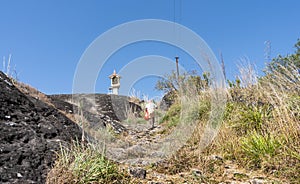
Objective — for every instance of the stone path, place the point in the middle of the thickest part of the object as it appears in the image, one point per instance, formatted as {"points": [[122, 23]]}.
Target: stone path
{"points": [[140, 146]]}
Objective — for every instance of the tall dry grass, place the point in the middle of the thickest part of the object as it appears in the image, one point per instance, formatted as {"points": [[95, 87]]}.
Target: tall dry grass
{"points": [[260, 130]]}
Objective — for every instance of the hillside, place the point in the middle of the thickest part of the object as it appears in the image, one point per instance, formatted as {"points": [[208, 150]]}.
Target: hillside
{"points": [[258, 141]]}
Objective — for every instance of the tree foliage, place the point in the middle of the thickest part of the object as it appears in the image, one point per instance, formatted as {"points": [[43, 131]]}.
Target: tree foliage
{"points": [[173, 83], [285, 61]]}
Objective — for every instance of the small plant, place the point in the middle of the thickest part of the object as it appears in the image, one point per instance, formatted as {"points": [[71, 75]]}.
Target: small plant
{"points": [[6, 66], [251, 118], [172, 116], [12, 74], [257, 147], [84, 164]]}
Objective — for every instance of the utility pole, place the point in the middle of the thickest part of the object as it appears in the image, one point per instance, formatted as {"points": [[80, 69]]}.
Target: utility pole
{"points": [[177, 68], [178, 78]]}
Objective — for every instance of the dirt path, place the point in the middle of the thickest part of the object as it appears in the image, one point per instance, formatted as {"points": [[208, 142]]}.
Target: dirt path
{"points": [[140, 146], [137, 155]]}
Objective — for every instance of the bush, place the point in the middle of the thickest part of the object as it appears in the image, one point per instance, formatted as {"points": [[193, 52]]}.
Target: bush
{"points": [[172, 116], [84, 164], [250, 117], [257, 147]]}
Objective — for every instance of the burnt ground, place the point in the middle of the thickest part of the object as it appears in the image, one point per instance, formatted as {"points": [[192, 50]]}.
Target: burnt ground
{"points": [[31, 132]]}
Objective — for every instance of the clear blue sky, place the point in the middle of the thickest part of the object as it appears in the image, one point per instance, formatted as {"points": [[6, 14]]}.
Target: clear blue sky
{"points": [[47, 38]]}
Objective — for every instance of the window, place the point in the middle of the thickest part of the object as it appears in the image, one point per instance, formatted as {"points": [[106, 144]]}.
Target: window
{"points": [[115, 80]]}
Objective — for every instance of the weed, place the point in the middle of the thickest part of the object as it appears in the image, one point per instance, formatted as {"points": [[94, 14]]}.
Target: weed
{"points": [[172, 116], [250, 118], [84, 164], [257, 147]]}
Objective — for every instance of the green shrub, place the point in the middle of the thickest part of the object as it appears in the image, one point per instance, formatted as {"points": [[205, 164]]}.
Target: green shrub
{"points": [[204, 109], [230, 106], [258, 147], [173, 121], [84, 164], [172, 116], [251, 118]]}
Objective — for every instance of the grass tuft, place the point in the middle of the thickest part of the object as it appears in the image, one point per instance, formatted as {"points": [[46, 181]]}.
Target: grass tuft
{"points": [[84, 164], [257, 147]]}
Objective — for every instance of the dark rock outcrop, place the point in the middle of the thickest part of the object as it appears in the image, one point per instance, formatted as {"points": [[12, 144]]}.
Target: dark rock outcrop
{"points": [[98, 109], [31, 132], [167, 100]]}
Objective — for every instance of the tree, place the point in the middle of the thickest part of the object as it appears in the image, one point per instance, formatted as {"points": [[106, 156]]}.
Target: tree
{"points": [[172, 83], [281, 62], [169, 83]]}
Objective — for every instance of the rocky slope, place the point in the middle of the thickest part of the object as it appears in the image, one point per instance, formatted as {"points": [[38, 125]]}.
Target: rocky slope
{"points": [[31, 133], [33, 126], [99, 110]]}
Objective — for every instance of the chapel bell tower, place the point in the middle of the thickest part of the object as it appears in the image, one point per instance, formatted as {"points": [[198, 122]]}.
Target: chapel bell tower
{"points": [[115, 83]]}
